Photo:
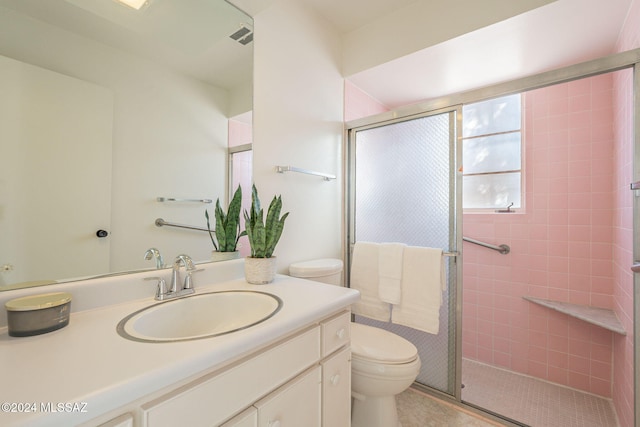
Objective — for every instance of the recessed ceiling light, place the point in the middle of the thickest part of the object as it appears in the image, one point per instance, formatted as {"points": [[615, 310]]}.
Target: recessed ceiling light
{"points": [[135, 4]]}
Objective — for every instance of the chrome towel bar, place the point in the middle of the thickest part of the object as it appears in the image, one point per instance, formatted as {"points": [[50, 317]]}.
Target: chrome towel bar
{"points": [[161, 222], [173, 199]]}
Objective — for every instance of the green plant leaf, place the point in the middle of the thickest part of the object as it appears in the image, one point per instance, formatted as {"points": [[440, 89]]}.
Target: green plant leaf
{"points": [[263, 235], [206, 214], [227, 224], [232, 224]]}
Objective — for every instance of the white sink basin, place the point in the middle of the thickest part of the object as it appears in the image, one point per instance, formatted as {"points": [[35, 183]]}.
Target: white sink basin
{"points": [[199, 316]]}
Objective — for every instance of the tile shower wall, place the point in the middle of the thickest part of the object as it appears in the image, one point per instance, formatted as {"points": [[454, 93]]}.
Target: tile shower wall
{"points": [[561, 246], [623, 373]]}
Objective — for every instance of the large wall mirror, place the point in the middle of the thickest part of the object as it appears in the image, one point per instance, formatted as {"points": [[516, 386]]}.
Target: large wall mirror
{"points": [[104, 111]]}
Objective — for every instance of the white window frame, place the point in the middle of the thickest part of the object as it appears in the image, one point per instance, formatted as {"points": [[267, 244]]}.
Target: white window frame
{"points": [[508, 208]]}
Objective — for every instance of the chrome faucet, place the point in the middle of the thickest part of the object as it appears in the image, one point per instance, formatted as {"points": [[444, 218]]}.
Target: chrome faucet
{"points": [[154, 253], [176, 289], [186, 287]]}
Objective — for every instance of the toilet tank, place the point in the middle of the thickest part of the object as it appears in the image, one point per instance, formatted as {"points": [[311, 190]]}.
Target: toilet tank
{"points": [[326, 270]]}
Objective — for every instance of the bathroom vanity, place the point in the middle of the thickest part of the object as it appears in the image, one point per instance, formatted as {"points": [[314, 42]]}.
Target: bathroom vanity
{"points": [[293, 369]]}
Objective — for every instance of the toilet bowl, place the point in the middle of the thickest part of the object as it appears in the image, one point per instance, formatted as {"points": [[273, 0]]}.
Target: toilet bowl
{"points": [[383, 364]]}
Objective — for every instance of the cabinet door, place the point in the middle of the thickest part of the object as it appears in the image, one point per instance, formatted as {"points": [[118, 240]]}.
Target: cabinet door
{"points": [[248, 418], [336, 390], [295, 404]]}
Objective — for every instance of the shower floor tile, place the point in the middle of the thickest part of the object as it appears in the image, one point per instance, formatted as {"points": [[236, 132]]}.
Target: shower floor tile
{"points": [[532, 401]]}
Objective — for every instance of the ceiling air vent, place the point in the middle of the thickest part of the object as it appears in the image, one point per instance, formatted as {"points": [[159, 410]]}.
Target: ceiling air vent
{"points": [[243, 36]]}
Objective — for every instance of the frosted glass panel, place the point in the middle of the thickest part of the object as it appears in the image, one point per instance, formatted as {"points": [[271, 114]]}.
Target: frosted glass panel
{"points": [[490, 191], [403, 194], [492, 116], [495, 153]]}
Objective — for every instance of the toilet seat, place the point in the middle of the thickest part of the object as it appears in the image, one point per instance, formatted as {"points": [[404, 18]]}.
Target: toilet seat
{"points": [[370, 344]]}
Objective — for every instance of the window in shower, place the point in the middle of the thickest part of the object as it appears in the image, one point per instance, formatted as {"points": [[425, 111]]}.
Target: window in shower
{"points": [[492, 153]]}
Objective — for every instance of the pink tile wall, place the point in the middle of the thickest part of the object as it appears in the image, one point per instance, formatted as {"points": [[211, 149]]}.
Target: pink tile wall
{"points": [[561, 246], [623, 372]]}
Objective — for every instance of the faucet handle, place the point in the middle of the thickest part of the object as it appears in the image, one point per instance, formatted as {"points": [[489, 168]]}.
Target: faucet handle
{"points": [[161, 291], [188, 281]]}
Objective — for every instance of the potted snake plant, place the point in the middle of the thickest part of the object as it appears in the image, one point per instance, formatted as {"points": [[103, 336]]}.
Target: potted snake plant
{"points": [[263, 234], [227, 231]]}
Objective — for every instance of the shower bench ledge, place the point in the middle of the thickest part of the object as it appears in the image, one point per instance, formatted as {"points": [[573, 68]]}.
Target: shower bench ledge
{"points": [[602, 317]]}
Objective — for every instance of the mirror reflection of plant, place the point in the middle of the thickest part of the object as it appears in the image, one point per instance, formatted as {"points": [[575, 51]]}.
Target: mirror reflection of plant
{"points": [[264, 235], [227, 232]]}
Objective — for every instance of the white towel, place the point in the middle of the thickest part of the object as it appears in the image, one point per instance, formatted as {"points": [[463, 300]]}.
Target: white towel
{"points": [[364, 278], [390, 272], [423, 280]]}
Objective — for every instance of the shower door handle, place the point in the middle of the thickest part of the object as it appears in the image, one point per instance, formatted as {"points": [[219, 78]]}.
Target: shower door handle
{"points": [[636, 267]]}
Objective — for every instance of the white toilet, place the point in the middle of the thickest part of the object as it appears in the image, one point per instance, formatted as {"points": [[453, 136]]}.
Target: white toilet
{"points": [[383, 364]]}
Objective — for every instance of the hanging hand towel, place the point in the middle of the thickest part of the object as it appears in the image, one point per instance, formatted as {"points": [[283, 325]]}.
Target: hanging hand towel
{"points": [[423, 280], [364, 278], [390, 272]]}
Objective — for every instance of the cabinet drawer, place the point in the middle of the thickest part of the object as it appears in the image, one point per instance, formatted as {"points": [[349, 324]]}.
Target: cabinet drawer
{"points": [[336, 332], [296, 404], [217, 396]]}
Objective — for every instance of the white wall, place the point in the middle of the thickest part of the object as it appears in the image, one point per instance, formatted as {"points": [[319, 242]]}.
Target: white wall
{"points": [[423, 24], [170, 136], [298, 121]]}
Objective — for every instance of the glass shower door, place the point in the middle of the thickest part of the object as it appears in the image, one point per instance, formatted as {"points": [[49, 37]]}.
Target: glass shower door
{"points": [[403, 189]]}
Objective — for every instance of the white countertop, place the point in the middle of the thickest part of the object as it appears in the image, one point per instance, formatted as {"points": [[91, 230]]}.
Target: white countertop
{"points": [[90, 367]]}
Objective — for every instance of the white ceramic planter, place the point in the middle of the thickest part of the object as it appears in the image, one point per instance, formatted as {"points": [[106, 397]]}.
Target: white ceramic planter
{"points": [[259, 271]]}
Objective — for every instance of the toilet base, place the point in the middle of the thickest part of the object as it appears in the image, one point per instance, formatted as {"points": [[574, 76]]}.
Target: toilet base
{"points": [[375, 412]]}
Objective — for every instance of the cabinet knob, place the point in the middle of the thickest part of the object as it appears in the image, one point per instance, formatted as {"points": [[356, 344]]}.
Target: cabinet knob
{"points": [[340, 333], [274, 423], [335, 379]]}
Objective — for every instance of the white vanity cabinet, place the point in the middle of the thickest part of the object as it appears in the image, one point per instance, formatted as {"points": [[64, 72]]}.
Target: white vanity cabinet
{"points": [[248, 418], [124, 420], [336, 371], [303, 380], [295, 404], [336, 389]]}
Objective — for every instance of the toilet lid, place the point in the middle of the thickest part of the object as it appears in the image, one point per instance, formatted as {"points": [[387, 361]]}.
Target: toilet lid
{"points": [[377, 344]]}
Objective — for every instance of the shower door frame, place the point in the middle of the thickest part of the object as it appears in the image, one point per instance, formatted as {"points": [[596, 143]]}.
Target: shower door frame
{"points": [[625, 60], [455, 156]]}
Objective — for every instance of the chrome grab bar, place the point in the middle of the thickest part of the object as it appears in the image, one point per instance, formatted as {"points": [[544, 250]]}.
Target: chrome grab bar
{"points": [[636, 267], [503, 249], [161, 222]]}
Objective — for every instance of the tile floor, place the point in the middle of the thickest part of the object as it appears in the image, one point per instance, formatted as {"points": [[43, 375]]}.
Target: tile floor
{"points": [[532, 401], [528, 400]]}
